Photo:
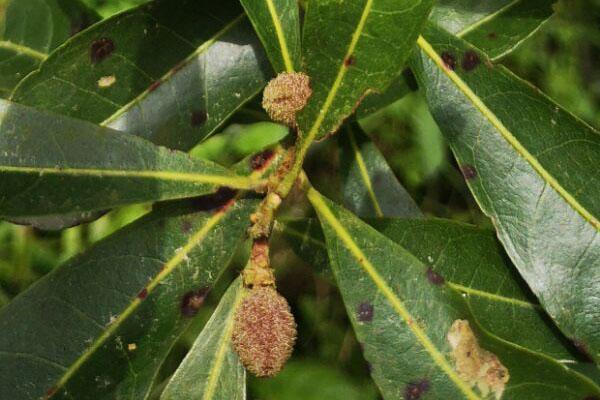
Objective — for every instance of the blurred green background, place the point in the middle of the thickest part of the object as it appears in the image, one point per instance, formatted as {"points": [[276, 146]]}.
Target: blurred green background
{"points": [[563, 59]]}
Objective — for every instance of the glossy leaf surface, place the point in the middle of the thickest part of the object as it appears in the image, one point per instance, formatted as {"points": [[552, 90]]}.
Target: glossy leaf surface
{"points": [[52, 164], [497, 27], [211, 370], [173, 79], [532, 168], [369, 186], [364, 49], [277, 23], [100, 326], [494, 26], [31, 29], [403, 307]]}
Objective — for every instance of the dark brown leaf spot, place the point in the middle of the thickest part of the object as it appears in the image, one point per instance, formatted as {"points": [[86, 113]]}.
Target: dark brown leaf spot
{"points": [[260, 160], [192, 301], [179, 67], [350, 61], [583, 349], [592, 398], [51, 392], [216, 200], [143, 294], [434, 277], [187, 226], [100, 49], [154, 85], [468, 172], [198, 118], [449, 60], [415, 390], [365, 312], [470, 60], [492, 35]]}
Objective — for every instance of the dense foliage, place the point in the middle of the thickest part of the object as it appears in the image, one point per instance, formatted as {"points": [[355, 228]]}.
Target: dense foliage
{"points": [[138, 152]]}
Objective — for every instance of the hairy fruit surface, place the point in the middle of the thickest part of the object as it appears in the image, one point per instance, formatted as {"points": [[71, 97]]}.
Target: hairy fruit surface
{"points": [[264, 332], [285, 96]]}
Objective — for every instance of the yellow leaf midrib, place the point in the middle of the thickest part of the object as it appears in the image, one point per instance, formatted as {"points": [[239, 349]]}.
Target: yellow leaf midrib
{"points": [[201, 49], [234, 181], [520, 149], [397, 304], [364, 173], [18, 48], [285, 53], [169, 267], [222, 347]]}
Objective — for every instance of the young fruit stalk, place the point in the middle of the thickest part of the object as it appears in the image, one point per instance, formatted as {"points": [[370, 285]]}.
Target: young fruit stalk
{"points": [[264, 330]]}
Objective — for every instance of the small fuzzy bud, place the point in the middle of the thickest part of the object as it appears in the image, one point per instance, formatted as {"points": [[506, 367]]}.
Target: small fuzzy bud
{"points": [[264, 331], [285, 96]]}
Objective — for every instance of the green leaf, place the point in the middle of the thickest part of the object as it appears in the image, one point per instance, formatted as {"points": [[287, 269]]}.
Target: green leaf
{"points": [[471, 261], [53, 164], [239, 141], [532, 168], [402, 311], [351, 48], [31, 29], [496, 27], [369, 186], [174, 79], [277, 23], [211, 370], [100, 326]]}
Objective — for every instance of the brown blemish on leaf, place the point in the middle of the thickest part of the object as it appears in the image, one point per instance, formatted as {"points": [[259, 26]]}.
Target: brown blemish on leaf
{"points": [[449, 60], [179, 67], [100, 49], [583, 349], [143, 294], [217, 200], [468, 172], [154, 85], [51, 392], [592, 398], [261, 160], [415, 390], [365, 312], [192, 301], [470, 60], [434, 278], [492, 35], [350, 61], [187, 226], [198, 118], [475, 365]]}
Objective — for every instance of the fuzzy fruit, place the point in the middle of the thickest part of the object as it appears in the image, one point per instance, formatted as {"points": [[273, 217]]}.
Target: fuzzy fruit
{"points": [[285, 96], [264, 331]]}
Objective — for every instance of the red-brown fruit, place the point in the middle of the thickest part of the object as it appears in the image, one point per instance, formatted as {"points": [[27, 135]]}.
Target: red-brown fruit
{"points": [[264, 331], [285, 96]]}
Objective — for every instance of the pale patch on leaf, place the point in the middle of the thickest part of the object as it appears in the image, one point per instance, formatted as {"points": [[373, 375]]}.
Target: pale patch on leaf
{"points": [[107, 81], [475, 365]]}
